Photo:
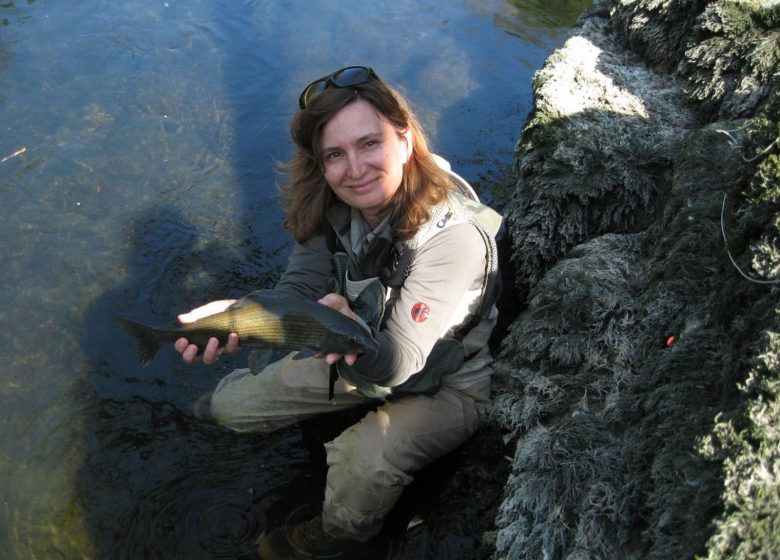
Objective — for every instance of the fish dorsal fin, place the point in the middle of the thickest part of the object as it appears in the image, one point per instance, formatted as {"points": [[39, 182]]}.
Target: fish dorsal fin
{"points": [[269, 300]]}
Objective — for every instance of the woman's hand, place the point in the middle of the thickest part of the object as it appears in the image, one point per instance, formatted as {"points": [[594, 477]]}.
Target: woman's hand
{"points": [[212, 351], [339, 303]]}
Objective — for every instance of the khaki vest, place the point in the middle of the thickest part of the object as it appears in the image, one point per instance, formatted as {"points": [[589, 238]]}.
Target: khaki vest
{"points": [[368, 297]]}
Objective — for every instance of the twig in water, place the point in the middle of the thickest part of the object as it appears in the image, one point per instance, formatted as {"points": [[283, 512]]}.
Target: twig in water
{"points": [[18, 152]]}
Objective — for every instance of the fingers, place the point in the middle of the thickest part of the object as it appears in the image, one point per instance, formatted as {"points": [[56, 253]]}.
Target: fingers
{"points": [[333, 358], [231, 347], [350, 359], [190, 355], [211, 352], [189, 352], [181, 345], [337, 302]]}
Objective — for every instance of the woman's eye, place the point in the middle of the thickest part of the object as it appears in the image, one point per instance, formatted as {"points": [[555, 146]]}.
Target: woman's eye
{"points": [[332, 156]]}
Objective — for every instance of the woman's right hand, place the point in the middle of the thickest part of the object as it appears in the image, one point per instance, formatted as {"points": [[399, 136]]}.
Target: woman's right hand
{"points": [[212, 350], [340, 304]]}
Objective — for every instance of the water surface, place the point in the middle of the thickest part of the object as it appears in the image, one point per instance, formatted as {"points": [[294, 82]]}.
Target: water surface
{"points": [[138, 151]]}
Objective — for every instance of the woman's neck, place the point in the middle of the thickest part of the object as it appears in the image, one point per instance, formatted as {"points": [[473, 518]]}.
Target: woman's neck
{"points": [[372, 218]]}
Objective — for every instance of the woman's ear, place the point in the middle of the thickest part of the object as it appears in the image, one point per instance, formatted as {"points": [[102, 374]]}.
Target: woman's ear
{"points": [[406, 136]]}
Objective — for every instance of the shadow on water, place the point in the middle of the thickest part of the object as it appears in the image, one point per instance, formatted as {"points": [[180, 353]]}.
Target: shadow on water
{"points": [[156, 482]]}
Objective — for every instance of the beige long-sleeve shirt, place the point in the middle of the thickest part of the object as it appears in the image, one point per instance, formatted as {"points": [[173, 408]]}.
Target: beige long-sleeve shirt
{"points": [[443, 288]]}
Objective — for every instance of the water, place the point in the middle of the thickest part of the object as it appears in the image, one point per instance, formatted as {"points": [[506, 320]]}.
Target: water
{"points": [[138, 144]]}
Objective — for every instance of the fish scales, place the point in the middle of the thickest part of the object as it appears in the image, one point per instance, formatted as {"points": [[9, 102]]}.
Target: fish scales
{"points": [[265, 320], [259, 325]]}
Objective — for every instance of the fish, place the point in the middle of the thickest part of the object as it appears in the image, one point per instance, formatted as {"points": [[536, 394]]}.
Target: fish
{"points": [[264, 320]]}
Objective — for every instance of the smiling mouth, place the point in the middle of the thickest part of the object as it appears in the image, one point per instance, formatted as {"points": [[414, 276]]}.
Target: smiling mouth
{"points": [[361, 186]]}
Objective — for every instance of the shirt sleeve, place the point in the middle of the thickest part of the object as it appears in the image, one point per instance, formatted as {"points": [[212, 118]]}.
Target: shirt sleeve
{"points": [[445, 269], [309, 270]]}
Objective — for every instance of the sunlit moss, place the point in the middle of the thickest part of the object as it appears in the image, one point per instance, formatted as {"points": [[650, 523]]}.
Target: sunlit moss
{"points": [[750, 448]]}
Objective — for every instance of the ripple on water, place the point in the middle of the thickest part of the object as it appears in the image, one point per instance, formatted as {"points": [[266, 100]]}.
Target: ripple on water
{"points": [[198, 517], [162, 485]]}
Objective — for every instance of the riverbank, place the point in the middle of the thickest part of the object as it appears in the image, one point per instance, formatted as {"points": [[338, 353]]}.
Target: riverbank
{"points": [[639, 384]]}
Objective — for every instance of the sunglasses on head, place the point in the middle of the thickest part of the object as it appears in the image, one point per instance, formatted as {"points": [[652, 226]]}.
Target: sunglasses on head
{"points": [[346, 77]]}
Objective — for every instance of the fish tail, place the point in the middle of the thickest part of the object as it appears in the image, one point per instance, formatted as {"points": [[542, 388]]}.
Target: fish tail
{"points": [[147, 341]]}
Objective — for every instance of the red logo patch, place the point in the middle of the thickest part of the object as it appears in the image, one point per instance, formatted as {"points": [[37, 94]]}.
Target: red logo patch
{"points": [[420, 312]]}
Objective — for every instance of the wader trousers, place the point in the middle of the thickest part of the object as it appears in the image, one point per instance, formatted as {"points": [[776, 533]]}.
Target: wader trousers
{"points": [[371, 461]]}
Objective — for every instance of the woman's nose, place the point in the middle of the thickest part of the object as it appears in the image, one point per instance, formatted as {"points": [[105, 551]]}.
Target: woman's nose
{"points": [[355, 166]]}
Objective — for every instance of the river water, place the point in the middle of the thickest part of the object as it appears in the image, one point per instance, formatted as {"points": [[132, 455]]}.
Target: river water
{"points": [[138, 147]]}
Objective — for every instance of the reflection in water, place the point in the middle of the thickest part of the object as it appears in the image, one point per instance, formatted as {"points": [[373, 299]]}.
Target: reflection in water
{"points": [[152, 131], [539, 21], [157, 483]]}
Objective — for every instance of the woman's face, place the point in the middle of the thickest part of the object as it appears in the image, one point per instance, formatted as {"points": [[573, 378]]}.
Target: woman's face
{"points": [[363, 158]]}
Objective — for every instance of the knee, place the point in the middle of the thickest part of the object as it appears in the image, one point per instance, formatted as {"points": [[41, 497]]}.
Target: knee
{"points": [[234, 405], [226, 412], [362, 462]]}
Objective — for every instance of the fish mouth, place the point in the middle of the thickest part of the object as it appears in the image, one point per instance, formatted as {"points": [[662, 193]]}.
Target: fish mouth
{"points": [[370, 346]]}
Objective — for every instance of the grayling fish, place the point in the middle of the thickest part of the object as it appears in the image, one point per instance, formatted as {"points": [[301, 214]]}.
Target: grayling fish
{"points": [[265, 320]]}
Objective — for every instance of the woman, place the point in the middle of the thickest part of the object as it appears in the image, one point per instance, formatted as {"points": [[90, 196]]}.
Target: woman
{"points": [[382, 235]]}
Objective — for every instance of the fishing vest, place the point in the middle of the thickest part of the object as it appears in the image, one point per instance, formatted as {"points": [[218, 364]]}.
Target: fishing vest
{"points": [[368, 296]]}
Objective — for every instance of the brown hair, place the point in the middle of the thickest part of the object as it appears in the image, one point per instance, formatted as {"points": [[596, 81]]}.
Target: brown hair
{"points": [[307, 195]]}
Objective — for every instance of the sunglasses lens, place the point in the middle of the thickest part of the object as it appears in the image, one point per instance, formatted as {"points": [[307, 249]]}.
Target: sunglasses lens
{"points": [[351, 76], [346, 77], [313, 89]]}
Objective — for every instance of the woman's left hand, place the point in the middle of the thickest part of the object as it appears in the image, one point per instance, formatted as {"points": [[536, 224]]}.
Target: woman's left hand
{"points": [[340, 304]]}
